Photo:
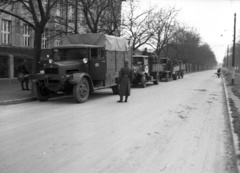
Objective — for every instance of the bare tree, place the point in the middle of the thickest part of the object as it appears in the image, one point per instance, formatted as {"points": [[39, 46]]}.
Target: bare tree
{"points": [[137, 27], [101, 16], [165, 25], [35, 13], [111, 20], [184, 42]]}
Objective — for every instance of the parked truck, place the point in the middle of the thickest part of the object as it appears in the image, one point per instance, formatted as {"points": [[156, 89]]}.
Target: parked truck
{"points": [[172, 68], [146, 69], [83, 64]]}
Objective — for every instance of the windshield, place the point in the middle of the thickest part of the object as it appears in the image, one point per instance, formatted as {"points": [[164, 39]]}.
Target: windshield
{"points": [[138, 60], [70, 54], [163, 61]]}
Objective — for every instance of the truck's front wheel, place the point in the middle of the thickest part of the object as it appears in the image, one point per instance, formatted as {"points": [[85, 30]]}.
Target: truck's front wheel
{"points": [[42, 94], [81, 91], [174, 76]]}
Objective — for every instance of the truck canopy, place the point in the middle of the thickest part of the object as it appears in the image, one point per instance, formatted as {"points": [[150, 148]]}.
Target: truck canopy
{"points": [[111, 43]]}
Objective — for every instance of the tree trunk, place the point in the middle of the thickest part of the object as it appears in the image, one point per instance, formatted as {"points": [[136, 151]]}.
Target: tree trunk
{"points": [[37, 51]]}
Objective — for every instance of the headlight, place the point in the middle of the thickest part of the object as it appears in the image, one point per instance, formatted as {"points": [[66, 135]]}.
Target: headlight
{"points": [[85, 60]]}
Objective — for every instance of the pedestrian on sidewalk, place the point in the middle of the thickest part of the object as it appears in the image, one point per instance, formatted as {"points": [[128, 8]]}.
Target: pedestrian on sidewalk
{"points": [[125, 79], [23, 74]]}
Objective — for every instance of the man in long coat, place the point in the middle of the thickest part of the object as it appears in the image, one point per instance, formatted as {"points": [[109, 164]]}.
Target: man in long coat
{"points": [[125, 78], [23, 74]]}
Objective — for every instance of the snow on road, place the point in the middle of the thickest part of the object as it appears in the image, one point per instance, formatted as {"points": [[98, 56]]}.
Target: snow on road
{"points": [[174, 127]]}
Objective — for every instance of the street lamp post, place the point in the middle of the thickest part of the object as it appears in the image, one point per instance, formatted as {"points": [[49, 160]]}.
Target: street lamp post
{"points": [[233, 51]]}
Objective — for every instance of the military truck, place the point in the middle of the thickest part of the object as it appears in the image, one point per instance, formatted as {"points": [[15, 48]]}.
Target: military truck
{"points": [[83, 64], [146, 69], [171, 69]]}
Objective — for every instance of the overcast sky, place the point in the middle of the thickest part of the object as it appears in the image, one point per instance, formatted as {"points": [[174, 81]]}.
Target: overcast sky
{"points": [[211, 18]]}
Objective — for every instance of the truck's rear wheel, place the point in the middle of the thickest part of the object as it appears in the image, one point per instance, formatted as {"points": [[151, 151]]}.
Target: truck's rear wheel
{"points": [[174, 76], [143, 81], [81, 91], [42, 94]]}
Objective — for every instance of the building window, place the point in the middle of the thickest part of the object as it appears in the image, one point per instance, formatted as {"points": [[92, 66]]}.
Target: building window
{"points": [[44, 3], [58, 10], [44, 40], [6, 31], [4, 67], [57, 42], [26, 35], [70, 13]]}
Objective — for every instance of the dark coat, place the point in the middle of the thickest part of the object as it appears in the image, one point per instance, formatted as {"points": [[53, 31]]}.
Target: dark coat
{"points": [[125, 78], [22, 68]]}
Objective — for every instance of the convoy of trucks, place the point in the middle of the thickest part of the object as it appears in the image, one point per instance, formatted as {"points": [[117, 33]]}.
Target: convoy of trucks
{"points": [[88, 62]]}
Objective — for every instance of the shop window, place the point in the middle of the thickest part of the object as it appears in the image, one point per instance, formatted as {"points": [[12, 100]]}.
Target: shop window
{"points": [[18, 61], [4, 67]]}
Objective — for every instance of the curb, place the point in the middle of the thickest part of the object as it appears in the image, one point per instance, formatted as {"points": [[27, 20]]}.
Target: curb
{"points": [[234, 135], [16, 101]]}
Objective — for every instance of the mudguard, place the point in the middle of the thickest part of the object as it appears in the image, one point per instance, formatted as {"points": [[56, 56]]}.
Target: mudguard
{"points": [[77, 77]]}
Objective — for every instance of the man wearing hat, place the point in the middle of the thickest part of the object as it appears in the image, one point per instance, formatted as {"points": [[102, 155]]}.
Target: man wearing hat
{"points": [[125, 78]]}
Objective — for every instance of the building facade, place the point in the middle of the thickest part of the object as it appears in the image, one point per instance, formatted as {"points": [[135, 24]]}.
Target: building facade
{"points": [[17, 37]]}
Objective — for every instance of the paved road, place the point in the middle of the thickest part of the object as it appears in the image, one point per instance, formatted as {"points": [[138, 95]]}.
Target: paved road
{"points": [[174, 127]]}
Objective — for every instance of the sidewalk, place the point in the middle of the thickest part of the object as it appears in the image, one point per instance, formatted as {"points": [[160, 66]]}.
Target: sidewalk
{"points": [[11, 93]]}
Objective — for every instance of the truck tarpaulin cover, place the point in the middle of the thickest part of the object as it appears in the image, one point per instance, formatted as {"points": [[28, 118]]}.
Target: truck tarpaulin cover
{"points": [[110, 43]]}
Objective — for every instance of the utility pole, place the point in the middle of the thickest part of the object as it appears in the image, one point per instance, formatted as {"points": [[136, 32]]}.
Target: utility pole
{"points": [[233, 51], [227, 56]]}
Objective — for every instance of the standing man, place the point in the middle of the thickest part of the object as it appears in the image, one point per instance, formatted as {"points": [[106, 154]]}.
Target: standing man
{"points": [[145, 52], [125, 78], [23, 74]]}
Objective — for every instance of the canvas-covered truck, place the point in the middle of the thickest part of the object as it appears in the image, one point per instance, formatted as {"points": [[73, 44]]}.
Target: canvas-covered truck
{"points": [[83, 64], [165, 72], [146, 69], [171, 69]]}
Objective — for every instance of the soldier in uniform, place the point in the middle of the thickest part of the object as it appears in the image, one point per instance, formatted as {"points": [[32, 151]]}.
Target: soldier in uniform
{"points": [[125, 78], [23, 74], [145, 52]]}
